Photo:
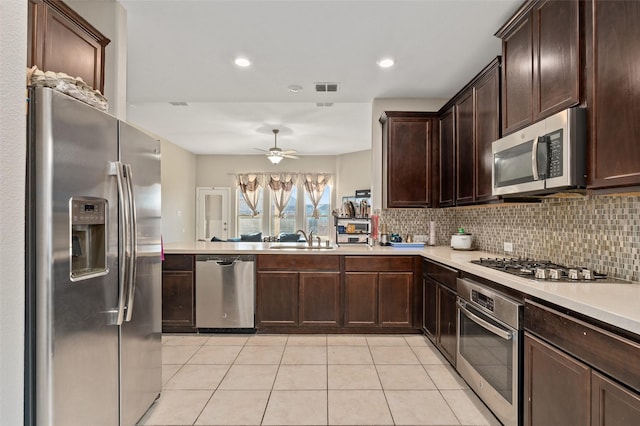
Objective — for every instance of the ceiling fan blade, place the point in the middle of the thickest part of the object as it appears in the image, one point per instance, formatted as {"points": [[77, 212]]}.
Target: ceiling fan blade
{"points": [[262, 150], [289, 151], [290, 156]]}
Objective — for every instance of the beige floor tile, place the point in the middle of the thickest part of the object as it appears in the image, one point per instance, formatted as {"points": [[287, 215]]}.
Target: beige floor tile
{"points": [[228, 340], [176, 407], [296, 408], [404, 377], [307, 340], [234, 408], [197, 377], [193, 340], [301, 377], [346, 340], [361, 377], [394, 340], [249, 377], [267, 340], [358, 407], [168, 370], [420, 408], [393, 355], [418, 340], [215, 355], [429, 355], [177, 354], [305, 355], [349, 355], [445, 377], [260, 355], [468, 408]]}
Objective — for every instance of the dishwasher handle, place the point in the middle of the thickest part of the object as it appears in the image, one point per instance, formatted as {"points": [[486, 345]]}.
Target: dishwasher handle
{"points": [[224, 260]]}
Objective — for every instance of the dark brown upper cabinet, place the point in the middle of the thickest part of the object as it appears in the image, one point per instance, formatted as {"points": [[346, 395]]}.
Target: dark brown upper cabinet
{"points": [[60, 40], [613, 43], [469, 123], [447, 167], [540, 62], [406, 158]]}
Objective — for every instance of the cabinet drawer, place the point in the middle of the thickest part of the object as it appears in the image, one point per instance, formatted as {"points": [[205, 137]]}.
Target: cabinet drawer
{"points": [[178, 262], [441, 273], [600, 348], [298, 262], [378, 263]]}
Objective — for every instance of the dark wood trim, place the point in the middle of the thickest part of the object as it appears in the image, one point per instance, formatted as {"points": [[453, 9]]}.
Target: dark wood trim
{"points": [[343, 330], [513, 20]]}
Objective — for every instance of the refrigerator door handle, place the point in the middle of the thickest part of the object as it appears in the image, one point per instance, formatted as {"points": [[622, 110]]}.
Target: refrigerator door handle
{"points": [[117, 169], [133, 241]]}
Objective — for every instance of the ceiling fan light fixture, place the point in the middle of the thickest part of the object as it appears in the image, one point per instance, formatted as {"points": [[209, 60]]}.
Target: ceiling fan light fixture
{"points": [[385, 63], [275, 159], [242, 62]]}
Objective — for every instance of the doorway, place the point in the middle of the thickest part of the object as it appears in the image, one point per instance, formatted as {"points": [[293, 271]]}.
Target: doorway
{"points": [[212, 213]]}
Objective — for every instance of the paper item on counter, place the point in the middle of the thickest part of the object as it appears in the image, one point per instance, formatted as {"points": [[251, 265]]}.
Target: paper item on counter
{"points": [[432, 233]]}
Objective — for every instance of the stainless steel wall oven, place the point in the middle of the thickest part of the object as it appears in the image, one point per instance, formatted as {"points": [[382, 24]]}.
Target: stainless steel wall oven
{"points": [[489, 354]]}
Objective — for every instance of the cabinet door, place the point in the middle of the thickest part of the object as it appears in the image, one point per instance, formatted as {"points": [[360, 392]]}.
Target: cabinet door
{"points": [[60, 40], [556, 57], [465, 148], [430, 306], [612, 404], [487, 130], [447, 322], [178, 301], [614, 151], [277, 299], [394, 299], [557, 387], [517, 76], [361, 299], [408, 161], [447, 160], [319, 298]]}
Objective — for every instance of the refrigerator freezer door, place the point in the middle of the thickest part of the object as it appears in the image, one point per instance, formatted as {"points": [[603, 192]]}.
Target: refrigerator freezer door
{"points": [[140, 334], [75, 342]]}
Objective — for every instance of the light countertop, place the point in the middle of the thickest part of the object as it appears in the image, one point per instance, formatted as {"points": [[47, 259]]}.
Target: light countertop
{"points": [[616, 304]]}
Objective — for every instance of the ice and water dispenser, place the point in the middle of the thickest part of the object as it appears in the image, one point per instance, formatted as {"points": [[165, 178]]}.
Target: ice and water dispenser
{"points": [[88, 237]]}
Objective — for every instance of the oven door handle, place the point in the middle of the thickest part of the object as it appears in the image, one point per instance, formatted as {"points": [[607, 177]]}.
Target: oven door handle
{"points": [[505, 334]]}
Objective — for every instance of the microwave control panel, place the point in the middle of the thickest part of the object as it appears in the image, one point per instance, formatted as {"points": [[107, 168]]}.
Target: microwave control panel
{"points": [[555, 153]]}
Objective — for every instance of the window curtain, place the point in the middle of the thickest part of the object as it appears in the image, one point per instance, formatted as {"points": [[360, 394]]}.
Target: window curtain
{"points": [[315, 184], [281, 185], [249, 185]]}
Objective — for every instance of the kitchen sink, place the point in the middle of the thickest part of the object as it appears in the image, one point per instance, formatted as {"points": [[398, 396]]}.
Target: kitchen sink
{"points": [[298, 246]]}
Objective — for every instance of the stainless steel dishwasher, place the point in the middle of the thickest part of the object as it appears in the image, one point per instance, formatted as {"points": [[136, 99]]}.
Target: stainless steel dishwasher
{"points": [[225, 291]]}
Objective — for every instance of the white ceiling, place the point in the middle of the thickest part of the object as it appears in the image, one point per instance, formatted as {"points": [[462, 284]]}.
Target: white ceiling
{"points": [[183, 51]]}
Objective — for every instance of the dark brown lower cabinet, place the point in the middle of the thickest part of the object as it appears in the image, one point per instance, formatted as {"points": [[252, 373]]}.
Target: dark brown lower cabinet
{"points": [[557, 387], [319, 298], [430, 306], [612, 404], [178, 294], [360, 299], [277, 295], [394, 299], [447, 321]]}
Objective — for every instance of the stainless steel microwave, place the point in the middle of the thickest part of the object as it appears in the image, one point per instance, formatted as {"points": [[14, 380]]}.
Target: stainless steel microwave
{"points": [[548, 156]]}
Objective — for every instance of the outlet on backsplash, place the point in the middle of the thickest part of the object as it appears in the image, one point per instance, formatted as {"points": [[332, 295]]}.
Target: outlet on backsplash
{"points": [[508, 247]]}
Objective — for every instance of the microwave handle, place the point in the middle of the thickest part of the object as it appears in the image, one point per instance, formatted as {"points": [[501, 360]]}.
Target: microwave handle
{"points": [[542, 140]]}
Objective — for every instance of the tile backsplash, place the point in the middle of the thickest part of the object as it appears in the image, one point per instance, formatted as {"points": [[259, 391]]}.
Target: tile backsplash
{"points": [[598, 232]]}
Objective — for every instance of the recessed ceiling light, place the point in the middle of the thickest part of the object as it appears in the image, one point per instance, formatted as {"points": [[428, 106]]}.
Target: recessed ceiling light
{"points": [[295, 88], [242, 62], [385, 63]]}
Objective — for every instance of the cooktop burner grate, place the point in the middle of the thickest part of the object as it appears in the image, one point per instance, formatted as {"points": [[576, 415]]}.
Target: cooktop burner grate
{"points": [[541, 269]]}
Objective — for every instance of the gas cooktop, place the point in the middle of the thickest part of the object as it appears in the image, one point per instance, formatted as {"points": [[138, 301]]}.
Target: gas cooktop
{"points": [[544, 270]]}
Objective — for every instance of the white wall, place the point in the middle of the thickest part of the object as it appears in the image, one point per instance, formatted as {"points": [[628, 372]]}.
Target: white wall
{"points": [[354, 172], [13, 54], [390, 104], [178, 193], [110, 18]]}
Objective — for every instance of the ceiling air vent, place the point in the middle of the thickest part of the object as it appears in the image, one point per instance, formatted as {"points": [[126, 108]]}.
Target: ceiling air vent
{"points": [[326, 87], [179, 103], [324, 104]]}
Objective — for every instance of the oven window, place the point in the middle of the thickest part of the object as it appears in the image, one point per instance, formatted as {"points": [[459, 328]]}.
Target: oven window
{"points": [[513, 166], [490, 355]]}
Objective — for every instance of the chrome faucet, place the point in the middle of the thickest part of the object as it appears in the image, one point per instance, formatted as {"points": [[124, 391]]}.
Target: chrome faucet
{"points": [[308, 239]]}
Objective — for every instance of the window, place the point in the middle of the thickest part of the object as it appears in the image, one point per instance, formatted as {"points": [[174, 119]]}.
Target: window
{"points": [[320, 226], [247, 222], [288, 223]]}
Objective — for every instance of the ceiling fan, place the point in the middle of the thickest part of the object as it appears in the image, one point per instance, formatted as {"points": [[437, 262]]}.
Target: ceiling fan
{"points": [[275, 154]]}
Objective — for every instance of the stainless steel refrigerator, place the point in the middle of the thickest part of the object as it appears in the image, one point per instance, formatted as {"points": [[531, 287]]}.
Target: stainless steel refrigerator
{"points": [[93, 340]]}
